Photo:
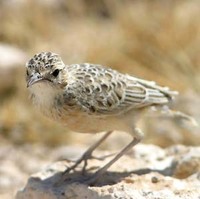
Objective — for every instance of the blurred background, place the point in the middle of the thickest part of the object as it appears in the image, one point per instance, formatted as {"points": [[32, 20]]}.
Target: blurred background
{"points": [[153, 39]]}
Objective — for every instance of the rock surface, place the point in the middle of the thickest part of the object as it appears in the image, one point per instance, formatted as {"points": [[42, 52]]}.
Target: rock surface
{"points": [[147, 172]]}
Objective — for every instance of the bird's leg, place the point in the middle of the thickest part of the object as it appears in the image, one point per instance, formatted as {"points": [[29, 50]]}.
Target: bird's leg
{"points": [[87, 155], [138, 135]]}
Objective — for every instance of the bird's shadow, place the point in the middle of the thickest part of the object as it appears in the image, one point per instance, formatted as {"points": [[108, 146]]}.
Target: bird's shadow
{"points": [[108, 178]]}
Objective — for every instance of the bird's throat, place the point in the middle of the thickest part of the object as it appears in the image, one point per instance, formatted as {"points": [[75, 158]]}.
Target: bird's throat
{"points": [[44, 95]]}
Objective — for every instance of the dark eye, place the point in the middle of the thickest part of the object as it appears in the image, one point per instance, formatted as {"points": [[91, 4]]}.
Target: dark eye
{"points": [[56, 72]]}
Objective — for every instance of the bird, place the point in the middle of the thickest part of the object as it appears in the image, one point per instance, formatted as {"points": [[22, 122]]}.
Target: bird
{"points": [[91, 98]]}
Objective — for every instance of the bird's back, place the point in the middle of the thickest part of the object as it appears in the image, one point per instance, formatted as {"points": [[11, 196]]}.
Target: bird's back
{"points": [[103, 91]]}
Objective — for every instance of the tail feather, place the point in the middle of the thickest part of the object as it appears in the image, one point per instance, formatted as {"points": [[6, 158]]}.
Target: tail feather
{"points": [[179, 115]]}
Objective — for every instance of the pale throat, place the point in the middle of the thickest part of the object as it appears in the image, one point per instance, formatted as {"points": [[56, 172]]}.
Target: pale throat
{"points": [[44, 94]]}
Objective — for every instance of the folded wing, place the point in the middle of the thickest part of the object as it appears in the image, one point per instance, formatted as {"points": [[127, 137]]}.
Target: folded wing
{"points": [[106, 91]]}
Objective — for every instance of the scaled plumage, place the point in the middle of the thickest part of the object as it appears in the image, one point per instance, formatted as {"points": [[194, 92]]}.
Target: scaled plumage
{"points": [[90, 98], [94, 89]]}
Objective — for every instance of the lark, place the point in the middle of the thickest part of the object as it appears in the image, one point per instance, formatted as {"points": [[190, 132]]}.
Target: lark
{"points": [[90, 98]]}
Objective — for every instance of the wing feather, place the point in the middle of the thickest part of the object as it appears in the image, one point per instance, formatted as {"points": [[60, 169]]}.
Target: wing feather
{"points": [[150, 92], [109, 92]]}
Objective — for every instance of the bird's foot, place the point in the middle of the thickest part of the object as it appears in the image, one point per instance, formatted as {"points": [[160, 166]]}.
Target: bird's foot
{"points": [[85, 157], [89, 179]]}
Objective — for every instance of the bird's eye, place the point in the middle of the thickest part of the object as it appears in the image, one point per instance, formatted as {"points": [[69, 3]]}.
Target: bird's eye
{"points": [[56, 72]]}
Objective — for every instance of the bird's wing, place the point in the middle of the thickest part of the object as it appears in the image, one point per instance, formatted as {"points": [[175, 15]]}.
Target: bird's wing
{"points": [[148, 91], [106, 91]]}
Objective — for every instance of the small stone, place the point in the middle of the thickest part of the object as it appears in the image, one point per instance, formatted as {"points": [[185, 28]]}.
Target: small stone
{"points": [[154, 179]]}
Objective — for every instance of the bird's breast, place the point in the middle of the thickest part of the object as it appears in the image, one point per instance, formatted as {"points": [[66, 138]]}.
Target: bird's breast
{"points": [[53, 105]]}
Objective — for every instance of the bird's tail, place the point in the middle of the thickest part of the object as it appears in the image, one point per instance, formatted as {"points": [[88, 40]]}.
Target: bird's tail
{"points": [[179, 115]]}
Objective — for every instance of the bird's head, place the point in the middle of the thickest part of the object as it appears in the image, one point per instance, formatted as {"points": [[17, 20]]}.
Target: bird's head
{"points": [[44, 67]]}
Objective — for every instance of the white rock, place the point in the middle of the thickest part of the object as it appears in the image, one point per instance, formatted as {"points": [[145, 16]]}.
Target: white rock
{"points": [[127, 179]]}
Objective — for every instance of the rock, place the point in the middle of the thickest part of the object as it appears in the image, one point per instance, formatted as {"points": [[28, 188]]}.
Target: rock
{"points": [[148, 172], [16, 164], [187, 161]]}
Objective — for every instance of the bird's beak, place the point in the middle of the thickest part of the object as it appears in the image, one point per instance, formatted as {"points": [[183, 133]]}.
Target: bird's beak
{"points": [[34, 79]]}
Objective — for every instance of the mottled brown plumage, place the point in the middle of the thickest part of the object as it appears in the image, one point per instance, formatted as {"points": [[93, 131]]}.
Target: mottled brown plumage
{"points": [[90, 98]]}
